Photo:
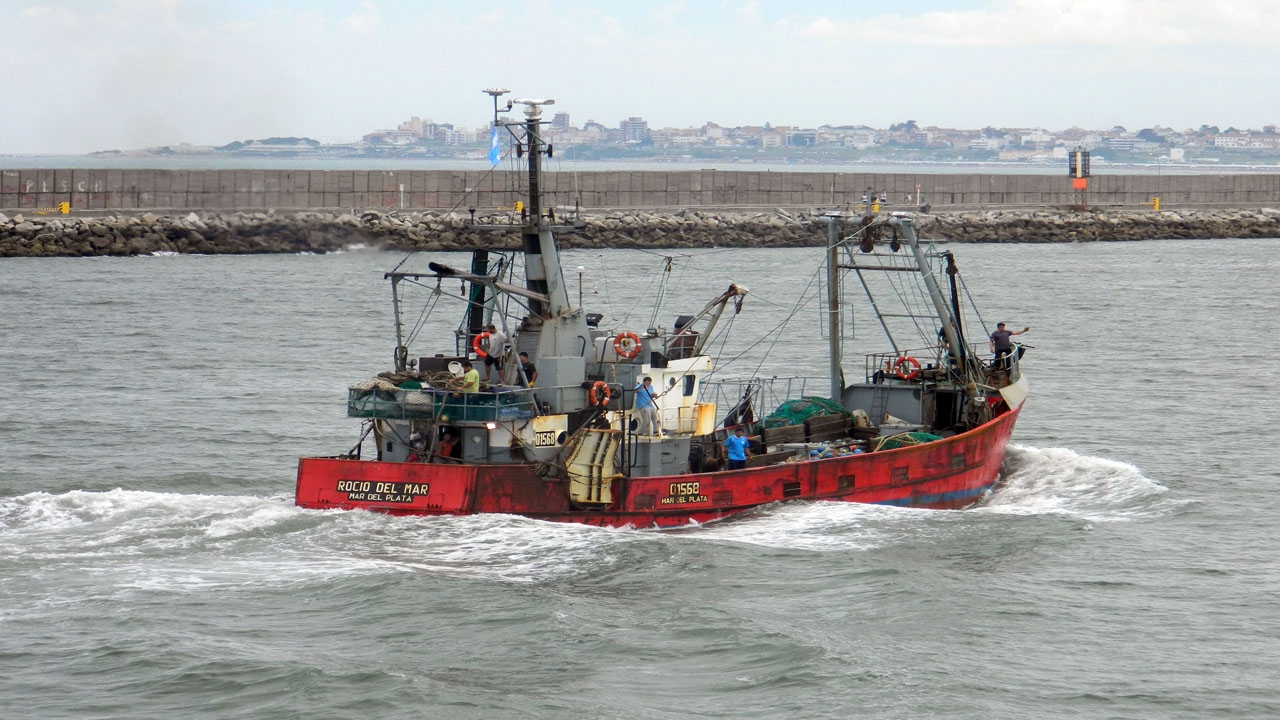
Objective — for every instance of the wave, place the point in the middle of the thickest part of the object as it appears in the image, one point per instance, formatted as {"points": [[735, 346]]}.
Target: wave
{"points": [[349, 248], [177, 542], [818, 526], [1059, 481]]}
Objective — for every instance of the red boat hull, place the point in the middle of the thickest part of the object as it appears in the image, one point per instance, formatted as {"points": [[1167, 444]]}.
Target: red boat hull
{"points": [[945, 474]]}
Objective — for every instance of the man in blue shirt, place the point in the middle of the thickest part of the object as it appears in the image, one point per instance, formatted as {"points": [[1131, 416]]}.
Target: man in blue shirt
{"points": [[646, 409], [738, 447]]}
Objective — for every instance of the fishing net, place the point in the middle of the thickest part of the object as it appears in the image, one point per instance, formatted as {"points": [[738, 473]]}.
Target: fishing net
{"points": [[906, 439], [795, 412]]}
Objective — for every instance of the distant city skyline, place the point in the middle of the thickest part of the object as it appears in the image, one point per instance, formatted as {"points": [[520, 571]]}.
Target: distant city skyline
{"points": [[637, 128], [88, 75], [632, 138]]}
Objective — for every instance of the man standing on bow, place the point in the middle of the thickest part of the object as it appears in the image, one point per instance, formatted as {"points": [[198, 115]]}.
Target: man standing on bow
{"points": [[1002, 346]]}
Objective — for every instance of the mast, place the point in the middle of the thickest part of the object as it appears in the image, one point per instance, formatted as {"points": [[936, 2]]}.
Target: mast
{"points": [[931, 282], [476, 307], [563, 342], [833, 305], [402, 352], [543, 273], [952, 272]]}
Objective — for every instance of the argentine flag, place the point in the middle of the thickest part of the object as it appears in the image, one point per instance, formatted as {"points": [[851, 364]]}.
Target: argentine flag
{"points": [[494, 153]]}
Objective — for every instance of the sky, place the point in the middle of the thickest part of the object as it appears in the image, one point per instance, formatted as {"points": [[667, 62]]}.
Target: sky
{"points": [[84, 75]]}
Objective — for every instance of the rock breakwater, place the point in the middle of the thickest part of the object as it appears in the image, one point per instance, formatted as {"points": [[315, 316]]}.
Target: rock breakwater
{"points": [[240, 233]]}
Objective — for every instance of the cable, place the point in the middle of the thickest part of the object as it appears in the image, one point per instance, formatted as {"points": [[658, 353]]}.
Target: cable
{"points": [[466, 194]]}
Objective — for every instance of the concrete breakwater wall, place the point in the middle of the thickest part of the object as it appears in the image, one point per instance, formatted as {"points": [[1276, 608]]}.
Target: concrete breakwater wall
{"points": [[239, 233], [95, 190]]}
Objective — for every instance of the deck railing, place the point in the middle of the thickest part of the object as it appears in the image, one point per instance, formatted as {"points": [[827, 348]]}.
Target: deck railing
{"points": [[433, 404]]}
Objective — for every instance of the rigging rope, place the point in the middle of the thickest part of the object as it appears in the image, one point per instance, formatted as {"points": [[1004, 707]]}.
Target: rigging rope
{"points": [[902, 292], [662, 292], [427, 308], [467, 193], [965, 289]]}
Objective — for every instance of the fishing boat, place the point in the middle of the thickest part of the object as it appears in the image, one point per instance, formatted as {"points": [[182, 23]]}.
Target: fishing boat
{"points": [[586, 440]]}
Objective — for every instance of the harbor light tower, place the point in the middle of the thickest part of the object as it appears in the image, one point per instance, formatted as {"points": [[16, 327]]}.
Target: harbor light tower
{"points": [[1078, 170]]}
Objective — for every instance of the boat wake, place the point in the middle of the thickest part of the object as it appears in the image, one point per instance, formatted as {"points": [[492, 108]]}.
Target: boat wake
{"points": [[1035, 481], [817, 526], [176, 542], [172, 542]]}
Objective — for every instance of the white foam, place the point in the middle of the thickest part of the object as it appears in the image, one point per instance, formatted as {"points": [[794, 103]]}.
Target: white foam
{"points": [[263, 517], [814, 526], [499, 547], [247, 571], [1061, 481], [123, 521], [180, 542], [172, 542]]}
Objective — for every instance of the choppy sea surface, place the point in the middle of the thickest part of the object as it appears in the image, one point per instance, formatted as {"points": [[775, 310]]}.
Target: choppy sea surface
{"points": [[152, 564]]}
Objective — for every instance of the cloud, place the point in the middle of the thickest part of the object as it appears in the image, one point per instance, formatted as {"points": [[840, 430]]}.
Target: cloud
{"points": [[151, 6], [749, 13], [365, 23], [135, 73], [670, 13], [1079, 23]]}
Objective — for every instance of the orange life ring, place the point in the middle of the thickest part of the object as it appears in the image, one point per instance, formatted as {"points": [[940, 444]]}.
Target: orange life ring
{"points": [[626, 344], [901, 364], [478, 346], [600, 393]]}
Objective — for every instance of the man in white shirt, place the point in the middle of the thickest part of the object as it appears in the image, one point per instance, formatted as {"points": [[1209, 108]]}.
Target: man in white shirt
{"points": [[497, 346]]}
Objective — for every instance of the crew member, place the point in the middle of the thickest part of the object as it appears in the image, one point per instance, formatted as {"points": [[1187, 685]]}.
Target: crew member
{"points": [[444, 448], [738, 449], [646, 409], [528, 371], [1002, 346], [470, 380], [493, 360]]}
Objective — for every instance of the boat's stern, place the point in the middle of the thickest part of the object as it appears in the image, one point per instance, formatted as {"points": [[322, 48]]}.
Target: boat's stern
{"points": [[389, 487]]}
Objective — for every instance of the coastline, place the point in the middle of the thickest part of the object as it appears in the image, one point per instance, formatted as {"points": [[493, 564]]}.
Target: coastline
{"points": [[321, 232], [335, 163]]}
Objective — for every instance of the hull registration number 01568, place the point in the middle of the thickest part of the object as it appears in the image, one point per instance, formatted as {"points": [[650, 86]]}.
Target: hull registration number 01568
{"points": [[680, 493], [544, 438]]}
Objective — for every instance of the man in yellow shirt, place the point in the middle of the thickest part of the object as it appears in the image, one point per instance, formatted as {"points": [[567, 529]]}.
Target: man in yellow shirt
{"points": [[470, 381]]}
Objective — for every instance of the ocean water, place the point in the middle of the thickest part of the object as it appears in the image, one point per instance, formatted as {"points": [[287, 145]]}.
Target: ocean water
{"points": [[152, 564]]}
